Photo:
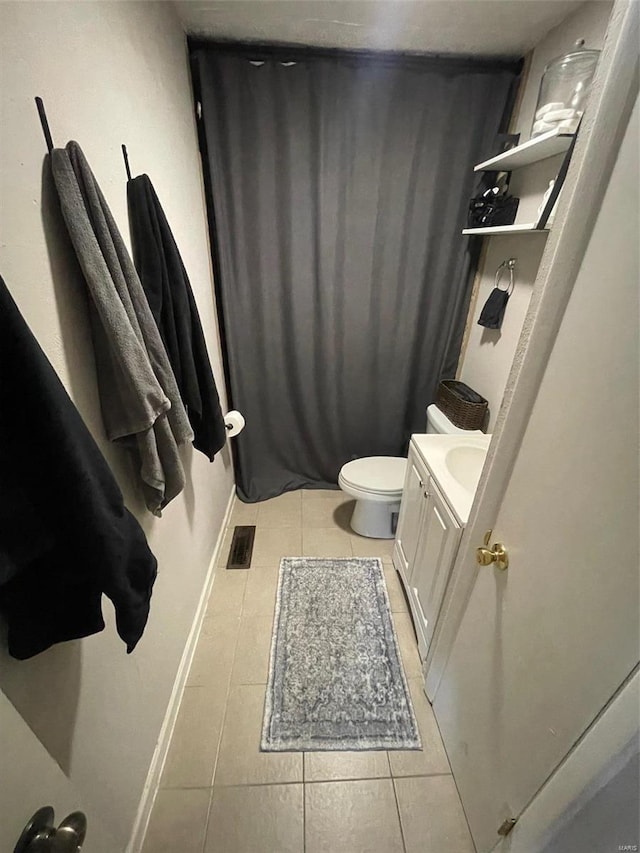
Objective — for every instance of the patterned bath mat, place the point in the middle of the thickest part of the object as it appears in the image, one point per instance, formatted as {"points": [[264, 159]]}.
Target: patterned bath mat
{"points": [[336, 680]]}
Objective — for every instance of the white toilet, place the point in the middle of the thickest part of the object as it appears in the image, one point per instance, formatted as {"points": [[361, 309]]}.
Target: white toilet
{"points": [[376, 482], [439, 424]]}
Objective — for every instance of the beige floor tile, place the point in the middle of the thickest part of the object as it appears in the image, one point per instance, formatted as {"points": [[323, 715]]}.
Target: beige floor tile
{"points": [[397, 599], [243, 513], [364, 546], [328, 512], [194, 745], [353, 817], [432, 817], [334, 766], [260, 595], [240, 761], [251, 665], [178, 821], [213, 658], [408, 644], [227, 592], [286, 499], [256, 819], [432, 759], [223, 553], [272, 543], [325, 542], [283, 511], [319, 494]]}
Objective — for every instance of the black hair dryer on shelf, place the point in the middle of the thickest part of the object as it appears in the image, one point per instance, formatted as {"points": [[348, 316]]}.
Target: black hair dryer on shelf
{"points": [[490, 211], [493, 205]]}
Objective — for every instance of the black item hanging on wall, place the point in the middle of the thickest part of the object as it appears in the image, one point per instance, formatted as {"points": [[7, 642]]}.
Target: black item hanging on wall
{"points": [[66, 537], [168, 290], [492, 314]]}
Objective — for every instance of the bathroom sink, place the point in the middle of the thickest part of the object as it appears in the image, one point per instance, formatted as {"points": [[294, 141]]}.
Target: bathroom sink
{"points": [[455, 462], [464, 463]]}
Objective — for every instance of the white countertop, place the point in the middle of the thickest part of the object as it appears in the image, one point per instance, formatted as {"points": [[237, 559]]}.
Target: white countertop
{"points": [[433, 450]]}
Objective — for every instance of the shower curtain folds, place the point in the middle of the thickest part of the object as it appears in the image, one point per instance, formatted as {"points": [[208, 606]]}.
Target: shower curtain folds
{"points": [[339, 187]]}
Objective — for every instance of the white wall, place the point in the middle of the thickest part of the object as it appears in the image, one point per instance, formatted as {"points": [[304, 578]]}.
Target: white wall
{"points": [[108, 73], [487, 360], [40, 782]]}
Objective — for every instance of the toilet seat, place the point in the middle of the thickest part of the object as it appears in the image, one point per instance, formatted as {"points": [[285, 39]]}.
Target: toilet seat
{"points": [[376, 482], [374, 478]]}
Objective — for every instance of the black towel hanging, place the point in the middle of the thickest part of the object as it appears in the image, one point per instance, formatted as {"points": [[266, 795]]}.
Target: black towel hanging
{"points": [[492, 314], [168, 290]]}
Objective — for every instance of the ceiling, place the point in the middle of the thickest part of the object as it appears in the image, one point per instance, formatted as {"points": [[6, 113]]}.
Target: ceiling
{"points": [[480, 27]]}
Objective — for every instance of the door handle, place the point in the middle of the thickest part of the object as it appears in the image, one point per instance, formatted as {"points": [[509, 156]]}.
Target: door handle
{"points": [[41, 836], [497, 554]]}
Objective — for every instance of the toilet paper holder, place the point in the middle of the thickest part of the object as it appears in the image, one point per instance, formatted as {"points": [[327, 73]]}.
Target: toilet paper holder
{"points": [[234, 423]]}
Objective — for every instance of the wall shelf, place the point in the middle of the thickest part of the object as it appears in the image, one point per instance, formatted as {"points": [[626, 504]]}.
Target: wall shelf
{"points": [[524, 228], [543, 146]]}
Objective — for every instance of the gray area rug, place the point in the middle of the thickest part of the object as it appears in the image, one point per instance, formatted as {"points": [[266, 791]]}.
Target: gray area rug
{"points": [[336, 680]]}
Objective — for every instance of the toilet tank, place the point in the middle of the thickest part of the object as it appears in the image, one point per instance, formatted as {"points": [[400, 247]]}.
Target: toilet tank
{"points": [[438, 423]]}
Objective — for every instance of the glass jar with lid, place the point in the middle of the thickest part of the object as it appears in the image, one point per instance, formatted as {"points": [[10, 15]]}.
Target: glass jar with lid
{"points": [[563, 91]]}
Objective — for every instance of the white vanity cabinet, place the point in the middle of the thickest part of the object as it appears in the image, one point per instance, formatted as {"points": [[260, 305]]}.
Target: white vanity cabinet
{"points": [[410, 518], [425, 547], [437, 548]]}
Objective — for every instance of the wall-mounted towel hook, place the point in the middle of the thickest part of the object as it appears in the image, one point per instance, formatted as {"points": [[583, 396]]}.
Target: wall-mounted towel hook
{"points": [[126, 161], [510, 265], [492, 314], [45, 124]]}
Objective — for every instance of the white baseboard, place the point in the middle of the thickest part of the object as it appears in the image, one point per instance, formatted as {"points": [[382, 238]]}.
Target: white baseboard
{"points": [[164, 739]]}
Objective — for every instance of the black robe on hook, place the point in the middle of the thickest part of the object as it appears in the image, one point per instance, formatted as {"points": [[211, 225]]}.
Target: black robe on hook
{"points": [[168, 290], [66, 537]]}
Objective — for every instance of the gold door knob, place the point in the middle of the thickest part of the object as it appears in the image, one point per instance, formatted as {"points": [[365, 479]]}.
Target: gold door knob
{"points": [[497, 554]]}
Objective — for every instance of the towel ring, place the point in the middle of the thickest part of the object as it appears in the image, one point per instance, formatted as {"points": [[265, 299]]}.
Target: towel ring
{"points": [[510, 265]]}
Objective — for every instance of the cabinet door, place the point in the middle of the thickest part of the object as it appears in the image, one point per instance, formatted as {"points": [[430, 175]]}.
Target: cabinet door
{"points": [[411, 511], [434, 558]]}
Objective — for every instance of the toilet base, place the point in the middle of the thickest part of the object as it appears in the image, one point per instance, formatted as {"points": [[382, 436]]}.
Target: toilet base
{"points": [[375, 519]]}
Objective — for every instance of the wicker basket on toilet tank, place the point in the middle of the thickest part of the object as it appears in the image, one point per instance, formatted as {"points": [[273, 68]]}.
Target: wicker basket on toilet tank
{"points": [[462, 405]]}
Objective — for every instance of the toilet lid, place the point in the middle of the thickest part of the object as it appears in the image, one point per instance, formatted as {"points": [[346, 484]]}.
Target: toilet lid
{"points": [[376, 473]]}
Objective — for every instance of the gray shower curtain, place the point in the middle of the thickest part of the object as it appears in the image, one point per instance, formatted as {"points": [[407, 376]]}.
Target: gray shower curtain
{"points": [[339, 189]]}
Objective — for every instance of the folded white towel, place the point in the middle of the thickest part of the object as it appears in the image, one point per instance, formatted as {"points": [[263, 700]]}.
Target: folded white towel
{"points": [[550, 107], [541, 127], [560, 115]]}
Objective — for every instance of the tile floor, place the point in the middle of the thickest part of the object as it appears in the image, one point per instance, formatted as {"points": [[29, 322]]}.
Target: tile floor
{"points": [[220, 794]]}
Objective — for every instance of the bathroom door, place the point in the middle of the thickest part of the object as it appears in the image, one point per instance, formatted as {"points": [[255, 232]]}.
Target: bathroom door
{"points": [[543, 646]]}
